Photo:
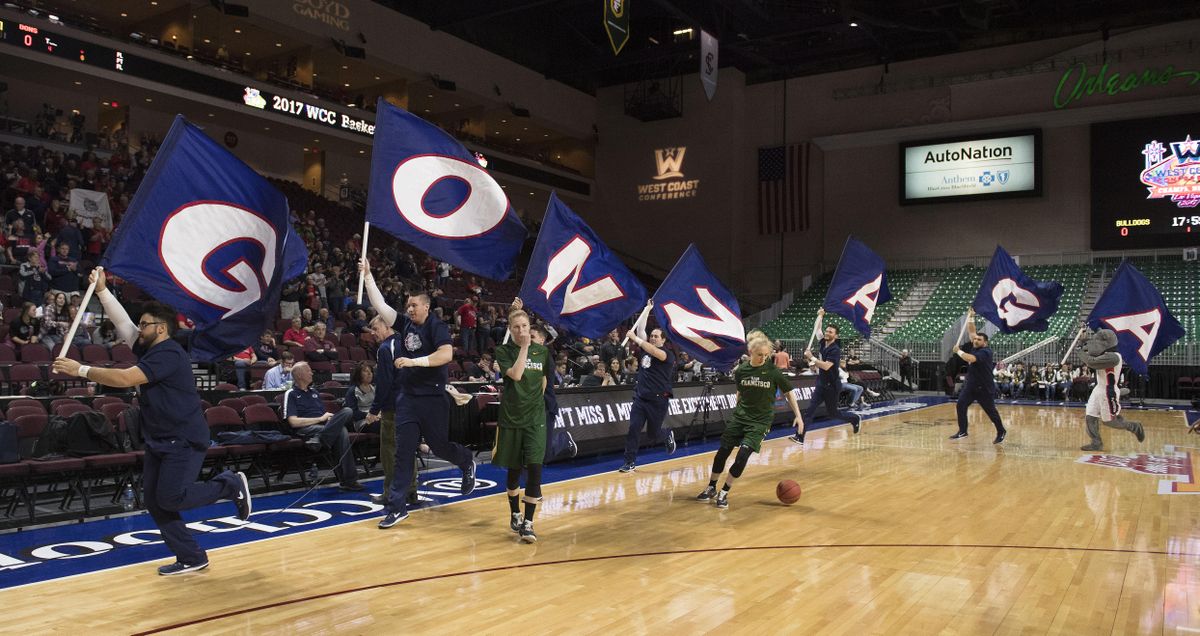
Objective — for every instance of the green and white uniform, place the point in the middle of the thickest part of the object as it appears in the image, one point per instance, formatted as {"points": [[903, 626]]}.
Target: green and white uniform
{"points": [[756, 387], [521, 434]]}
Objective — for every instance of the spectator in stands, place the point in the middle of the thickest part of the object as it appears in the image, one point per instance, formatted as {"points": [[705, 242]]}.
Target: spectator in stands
{"points": [[296, 335], [443, 273], [55, 320], [631, 368], [265, 350], [71, 236], [616, 372], [317, 280], [289, 300], [183, 328], [318, 348], [689, 370], [26, 328], [305, 413], [361, 394], [21, 242], [325, 318], [595, 377], [382, 409], [612, 348], [855, 390], [1048, 382], [1066, 375], [280, 375], [908, 371], [783, 359], [1020, 380], [242, 361], [335, 291], [35, 283], [358, 322], [465, 318], [105, 335], [306, 319], [83, 335], [20, 213], [483, 326], [1004, 379], [64, 271]]}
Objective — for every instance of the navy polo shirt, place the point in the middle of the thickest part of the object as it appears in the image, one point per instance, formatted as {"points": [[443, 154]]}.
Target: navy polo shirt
{"points": [[831, 353], [386, 386], [415, 341], [170, 405], [302, 403], [979, 372], [654, 375]]}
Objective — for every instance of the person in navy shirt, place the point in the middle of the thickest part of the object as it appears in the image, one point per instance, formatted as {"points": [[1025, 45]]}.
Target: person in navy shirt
{"points": [[651, 394], [980, 385], [172, 425], [304, 411], [383, 409], [829, 379], [424, 347]]}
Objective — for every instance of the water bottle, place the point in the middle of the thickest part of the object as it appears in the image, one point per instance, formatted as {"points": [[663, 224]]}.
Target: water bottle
{"points": [[313, 473], [127, 499]]}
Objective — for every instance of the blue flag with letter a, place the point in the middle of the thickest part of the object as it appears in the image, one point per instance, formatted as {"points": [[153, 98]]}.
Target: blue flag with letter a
{"points": [[1013, 301], [210, 237], [859, 285], [430, 192], [699, 314], [574, 281], [1134, 309]]}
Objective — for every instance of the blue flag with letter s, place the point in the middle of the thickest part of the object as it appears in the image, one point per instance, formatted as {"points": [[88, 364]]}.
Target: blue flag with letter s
{"points": [[210, 237], [1013, 301], [859, 285], [430, 192], [574, 281], [1133, 308], [699, 314]]}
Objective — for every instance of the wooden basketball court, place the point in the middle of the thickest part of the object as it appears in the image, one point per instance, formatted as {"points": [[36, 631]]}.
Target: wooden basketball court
{"points": [[899, 530]]}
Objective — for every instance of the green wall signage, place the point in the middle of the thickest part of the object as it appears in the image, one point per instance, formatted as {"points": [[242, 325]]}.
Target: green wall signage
{"points": [[1077, 84]]}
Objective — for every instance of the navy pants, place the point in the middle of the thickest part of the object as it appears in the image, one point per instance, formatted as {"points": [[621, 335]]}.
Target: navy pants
{"points": [[335, 437], [169, 487], [828, 395], [971, 394], [648, 412], [420, 416]]}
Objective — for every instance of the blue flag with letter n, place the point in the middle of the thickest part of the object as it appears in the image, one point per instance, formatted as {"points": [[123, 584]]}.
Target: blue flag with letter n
{"points": [[1013, 301], [859, 285], [699, 314], [430, 192], [574, 281], [210, 237], [1134, 309]]}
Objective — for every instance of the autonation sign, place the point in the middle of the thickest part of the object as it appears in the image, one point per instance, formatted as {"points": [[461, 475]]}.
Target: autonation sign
{"points": [[970, 167]]}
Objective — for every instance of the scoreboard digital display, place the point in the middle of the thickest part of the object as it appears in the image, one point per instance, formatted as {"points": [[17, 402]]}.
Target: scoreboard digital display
{"points": [[35, 38], [1146, 183]]}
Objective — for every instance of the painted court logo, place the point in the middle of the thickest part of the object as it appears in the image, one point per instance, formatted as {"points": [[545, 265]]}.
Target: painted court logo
{"points": [[1175, 466], [1173, 170]]}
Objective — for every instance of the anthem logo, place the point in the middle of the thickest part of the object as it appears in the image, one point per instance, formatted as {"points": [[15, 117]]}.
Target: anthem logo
{"points": [[668, 163]]}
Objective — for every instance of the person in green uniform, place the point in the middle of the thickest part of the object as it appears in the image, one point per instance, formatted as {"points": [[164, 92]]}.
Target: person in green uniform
{"points": [[757, 381], [521, 434]]}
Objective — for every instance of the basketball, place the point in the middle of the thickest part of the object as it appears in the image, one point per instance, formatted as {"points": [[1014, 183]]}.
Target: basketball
{"points": [[788, 492]]}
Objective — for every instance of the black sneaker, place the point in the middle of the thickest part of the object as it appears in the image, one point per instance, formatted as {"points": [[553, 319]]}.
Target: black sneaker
{"points": [[313, 444], [1000, 436], [1139, 431], [708, 494], [392, 519], [722, 499], [959, 435], [627, 467], [179, 567], [515, 524], [242, 498], [467, 485], [797, 437], [670, 444], [527, 533], [855, 422], [1092, 447]]}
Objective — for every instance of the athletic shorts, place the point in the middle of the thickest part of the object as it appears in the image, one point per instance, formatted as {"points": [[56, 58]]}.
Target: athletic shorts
{"points": [[519, 447], [739, 433]]}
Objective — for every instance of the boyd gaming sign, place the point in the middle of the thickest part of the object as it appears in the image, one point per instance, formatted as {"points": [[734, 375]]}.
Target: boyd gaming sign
{"points": [[669, 182], [329, 12]]}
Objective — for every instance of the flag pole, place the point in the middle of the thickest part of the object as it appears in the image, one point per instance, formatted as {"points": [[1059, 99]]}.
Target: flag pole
{"points": [[641, 317], [87, 297], [962, 331], [813, 335], [361, 278], [1072, 347]]}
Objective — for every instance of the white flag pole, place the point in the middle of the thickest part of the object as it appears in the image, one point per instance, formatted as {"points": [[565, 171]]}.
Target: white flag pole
{"points": [[361, 278], [640, 321], [962, 331], [87, 297], [1072, 347], [813, 335]]}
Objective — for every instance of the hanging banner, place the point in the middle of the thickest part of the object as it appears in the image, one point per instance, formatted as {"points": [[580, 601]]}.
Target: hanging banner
{"points": [[708, 64], [616, 23]]}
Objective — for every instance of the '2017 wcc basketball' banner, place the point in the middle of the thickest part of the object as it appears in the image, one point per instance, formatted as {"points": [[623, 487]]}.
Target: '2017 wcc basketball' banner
{"points": [[430, 192], [859, 285], [574, 281], [699, 314], [1137, 313], [210, 237], [1013, 301]]}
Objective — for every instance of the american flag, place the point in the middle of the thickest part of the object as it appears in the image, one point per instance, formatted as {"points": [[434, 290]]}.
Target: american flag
{"points": [[783, 189]]}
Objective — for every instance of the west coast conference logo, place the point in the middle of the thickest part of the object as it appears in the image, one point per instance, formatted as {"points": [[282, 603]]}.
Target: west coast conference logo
{"points": [[1174, 174], [1176, 467], [329, 12], [670, 182]]}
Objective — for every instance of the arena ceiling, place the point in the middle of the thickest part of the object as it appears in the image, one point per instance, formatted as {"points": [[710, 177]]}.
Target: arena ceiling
{"points": [[767, 39]]}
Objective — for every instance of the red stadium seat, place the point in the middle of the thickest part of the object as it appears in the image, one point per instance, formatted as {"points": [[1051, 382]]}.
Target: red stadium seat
{"points": [[261, 417], [37, 404], [252, 399], [67, 410], [122, 353], [236, 404], [96, 355], [35, 353]]}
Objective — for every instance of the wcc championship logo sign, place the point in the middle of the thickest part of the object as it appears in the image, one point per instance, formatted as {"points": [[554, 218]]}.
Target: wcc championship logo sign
{"points": [[210, 237], [669, 181], [1173, 171]]}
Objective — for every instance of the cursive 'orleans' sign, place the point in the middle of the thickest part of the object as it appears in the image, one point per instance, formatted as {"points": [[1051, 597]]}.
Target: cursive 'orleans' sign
{"points": [[1076, 83]]}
